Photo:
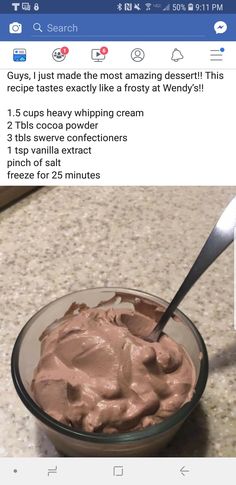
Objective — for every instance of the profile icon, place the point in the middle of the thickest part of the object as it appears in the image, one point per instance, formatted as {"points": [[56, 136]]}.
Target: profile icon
{"points": [[137, 55]]}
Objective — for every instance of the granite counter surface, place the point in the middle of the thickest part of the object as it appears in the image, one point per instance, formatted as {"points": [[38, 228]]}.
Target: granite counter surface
{"points": [[62, 239]]}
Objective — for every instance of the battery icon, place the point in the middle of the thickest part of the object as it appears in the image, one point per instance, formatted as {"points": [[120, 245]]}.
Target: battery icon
{"points": [[190, 7]]}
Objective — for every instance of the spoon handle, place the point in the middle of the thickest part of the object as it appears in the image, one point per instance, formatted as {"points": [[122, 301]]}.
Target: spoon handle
{"points": [[219, 239]]}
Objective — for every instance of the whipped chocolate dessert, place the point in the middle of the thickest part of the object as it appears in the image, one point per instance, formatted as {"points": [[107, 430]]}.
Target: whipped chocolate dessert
{"points": [[96, 373]]}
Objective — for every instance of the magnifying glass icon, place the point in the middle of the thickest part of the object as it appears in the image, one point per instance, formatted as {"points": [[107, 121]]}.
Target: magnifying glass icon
{"points": [[37, 27]]}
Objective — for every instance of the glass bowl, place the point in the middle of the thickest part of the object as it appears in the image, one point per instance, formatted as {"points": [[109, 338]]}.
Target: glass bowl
{"points": [[71, 442]]}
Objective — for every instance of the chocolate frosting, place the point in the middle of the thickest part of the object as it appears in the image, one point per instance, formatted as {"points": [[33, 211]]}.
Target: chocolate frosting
{"points": [[97, 374]]}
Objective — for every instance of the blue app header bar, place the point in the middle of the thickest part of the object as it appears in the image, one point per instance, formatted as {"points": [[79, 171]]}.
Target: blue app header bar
{"points": [[112, 6], [110, 27]]}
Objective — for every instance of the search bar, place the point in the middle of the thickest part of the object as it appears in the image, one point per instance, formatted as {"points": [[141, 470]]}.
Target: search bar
{"points": [[56, 28]]}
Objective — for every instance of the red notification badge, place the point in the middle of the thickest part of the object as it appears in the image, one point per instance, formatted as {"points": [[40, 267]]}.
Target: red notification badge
{"points": [[104, 50], [64, 50]]}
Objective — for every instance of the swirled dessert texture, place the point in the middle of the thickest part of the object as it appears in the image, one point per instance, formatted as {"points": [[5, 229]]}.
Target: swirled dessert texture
{"points": [[95, 375]]}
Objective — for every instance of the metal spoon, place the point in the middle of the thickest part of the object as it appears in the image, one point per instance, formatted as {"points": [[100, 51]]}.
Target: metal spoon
{"points": [[220, 238]]}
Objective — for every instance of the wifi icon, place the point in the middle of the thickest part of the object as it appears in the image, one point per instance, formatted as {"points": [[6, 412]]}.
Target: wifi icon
{"points": [[148, 6]]}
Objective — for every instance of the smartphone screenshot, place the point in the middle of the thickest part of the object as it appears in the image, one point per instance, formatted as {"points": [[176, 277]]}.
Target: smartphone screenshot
{"points": [[117, 222]]}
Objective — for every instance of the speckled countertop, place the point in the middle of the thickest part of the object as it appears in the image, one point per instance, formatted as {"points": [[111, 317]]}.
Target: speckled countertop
{"points": [[62, 239]]}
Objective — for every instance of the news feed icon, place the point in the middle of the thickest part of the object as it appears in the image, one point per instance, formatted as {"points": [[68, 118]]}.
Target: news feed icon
{"points": [[15, 28], [19, 55]]}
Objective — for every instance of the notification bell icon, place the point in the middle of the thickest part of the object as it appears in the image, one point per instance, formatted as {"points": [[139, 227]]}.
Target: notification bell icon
{"points": [[176, 55]]}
